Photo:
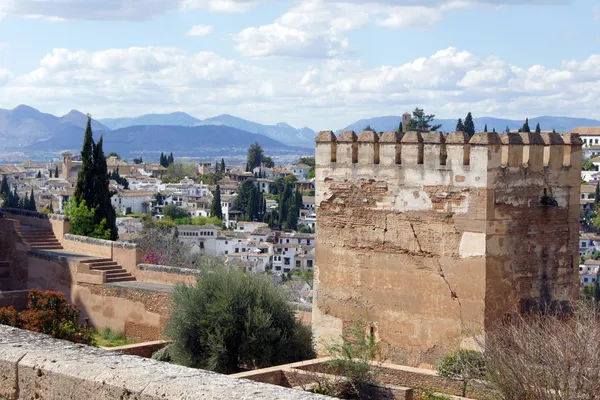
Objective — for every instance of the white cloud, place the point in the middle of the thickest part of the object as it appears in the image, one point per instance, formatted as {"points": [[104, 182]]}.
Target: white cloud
{"points": [[200, 30], [222, 5], [330, 94]]}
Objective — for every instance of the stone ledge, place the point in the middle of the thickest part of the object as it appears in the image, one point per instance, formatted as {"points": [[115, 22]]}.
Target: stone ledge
{"points": [[89, 240], [167, 269], [33, 365], [35, 214]]}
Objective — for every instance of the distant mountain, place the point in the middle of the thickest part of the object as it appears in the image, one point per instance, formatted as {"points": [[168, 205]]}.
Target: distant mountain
{"points": [[150, 140], [281, 132], [24, 125], [561, 124], [173, 119]]}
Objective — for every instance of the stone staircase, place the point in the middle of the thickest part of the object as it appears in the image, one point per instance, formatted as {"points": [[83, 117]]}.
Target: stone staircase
{"points": [[112, 270], [38, 239]]}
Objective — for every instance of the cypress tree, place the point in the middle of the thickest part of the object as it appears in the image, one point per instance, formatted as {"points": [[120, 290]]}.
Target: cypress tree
{"points": [[283, 202], [5, 190], [102, 203], [171, 159], [216, 167], [485, 128], [222, 165], [400, 127], [469, 125], [291, 221], [32, 205], [84, 190], [537, 128], [597, 194], [525, 127], [39, 175], [216, 210], [56, 171], [460, 127]]}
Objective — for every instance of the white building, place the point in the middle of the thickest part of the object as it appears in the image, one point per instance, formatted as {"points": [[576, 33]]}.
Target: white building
{"points": [[301, 171], [587, 243], [133, 201], [264, 185], [202, 237]]}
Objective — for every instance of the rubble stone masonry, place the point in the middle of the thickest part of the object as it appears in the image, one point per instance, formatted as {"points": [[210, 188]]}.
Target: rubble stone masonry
{"points": [[431, 238]]}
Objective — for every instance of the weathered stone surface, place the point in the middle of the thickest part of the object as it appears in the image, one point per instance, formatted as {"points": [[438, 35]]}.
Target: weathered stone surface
{"points": [[432, 253], [34, 366]]}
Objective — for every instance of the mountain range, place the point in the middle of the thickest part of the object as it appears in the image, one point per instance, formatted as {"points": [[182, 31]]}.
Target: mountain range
{"points": [[560, 124], [25, 130], [281, 132]]}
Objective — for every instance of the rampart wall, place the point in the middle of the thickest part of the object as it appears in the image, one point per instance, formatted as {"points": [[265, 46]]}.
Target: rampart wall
{"points": [[35, 366], [431, 238]]}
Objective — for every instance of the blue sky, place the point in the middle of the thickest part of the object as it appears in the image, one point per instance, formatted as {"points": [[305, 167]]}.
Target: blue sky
{"points": [[316, 63]]}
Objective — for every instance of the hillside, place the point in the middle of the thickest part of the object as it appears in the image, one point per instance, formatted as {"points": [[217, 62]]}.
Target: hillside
{"points": [[197, 141]]}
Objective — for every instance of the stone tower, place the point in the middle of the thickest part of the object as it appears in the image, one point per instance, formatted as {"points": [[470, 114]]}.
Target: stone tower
{"points": [[406, 117], [432, 238], [66, 164]]}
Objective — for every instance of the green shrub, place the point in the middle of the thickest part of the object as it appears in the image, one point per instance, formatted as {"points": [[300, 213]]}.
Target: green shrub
{"points": [[231, 321]]}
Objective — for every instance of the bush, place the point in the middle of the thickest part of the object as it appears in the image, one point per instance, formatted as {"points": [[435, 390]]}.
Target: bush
{"points": [[464, 365], [174, 212], [50, 313], [82, 221], [546, 356], [231, 321]]}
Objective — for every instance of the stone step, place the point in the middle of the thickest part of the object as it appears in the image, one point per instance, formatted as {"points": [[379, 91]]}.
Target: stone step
{"points": [[43, 243], [93, 260], [94, 264], [47, 247], [42, 240], [117, 274], [115, 267], [123, 279]]}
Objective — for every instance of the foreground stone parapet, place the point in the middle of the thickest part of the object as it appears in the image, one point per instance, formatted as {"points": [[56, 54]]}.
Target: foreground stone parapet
{"points": [[36, 366]]}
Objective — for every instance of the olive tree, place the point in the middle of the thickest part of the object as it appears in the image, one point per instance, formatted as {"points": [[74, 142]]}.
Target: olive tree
{"points": [[230, 320]]}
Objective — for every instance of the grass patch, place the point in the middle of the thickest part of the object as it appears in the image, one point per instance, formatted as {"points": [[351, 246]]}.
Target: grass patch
{"points": [[110, 338]]}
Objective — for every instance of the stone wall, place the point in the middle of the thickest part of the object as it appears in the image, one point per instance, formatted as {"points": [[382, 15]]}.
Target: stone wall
{"points": [[432, 238], [35, 366], [166, 275], [145, 349]]}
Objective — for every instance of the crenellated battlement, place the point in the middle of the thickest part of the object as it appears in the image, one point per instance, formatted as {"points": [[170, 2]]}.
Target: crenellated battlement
{"points": [[435, 150]]}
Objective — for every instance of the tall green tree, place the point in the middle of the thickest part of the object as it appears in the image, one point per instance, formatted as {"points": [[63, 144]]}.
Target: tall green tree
{"points": [[84, 189], [268, 162], [255, 156], [31, 206], [400, 127], [422, 122], [216, 210], [538, 129], [222, 165], [460, 127], [56, 171], [103, 204], [92, 188], [171, 159], [39, 175], [485, 128], [5, 191], [525, 127], [597, 194], [469, 124]]}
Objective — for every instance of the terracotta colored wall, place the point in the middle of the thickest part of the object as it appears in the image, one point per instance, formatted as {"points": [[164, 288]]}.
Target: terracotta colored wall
{"points": [[164, 275]]}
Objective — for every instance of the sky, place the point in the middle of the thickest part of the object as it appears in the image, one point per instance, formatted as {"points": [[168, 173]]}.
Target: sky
{"points": [[317, 63]]}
